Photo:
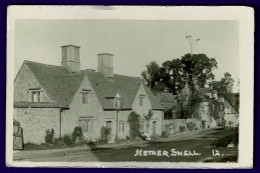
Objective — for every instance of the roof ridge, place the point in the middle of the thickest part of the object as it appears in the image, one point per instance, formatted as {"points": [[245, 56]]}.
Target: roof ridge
{"points": [[128, 76], [34, 62]]}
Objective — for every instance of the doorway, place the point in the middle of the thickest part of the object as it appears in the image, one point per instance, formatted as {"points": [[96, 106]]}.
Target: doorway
{"points": [[109, 125], [154, 127]]}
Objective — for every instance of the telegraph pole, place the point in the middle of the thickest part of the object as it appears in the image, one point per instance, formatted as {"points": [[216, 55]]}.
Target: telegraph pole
{"points": [[192, 42]]}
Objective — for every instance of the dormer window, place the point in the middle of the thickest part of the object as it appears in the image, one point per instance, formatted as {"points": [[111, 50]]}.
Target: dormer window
{"points": [[85, 96], [141, 100], [117, 102], [35, 95]]}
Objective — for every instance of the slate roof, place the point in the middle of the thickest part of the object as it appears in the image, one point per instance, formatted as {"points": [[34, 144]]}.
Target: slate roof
{"points": [[61, 86], [167, 100]]}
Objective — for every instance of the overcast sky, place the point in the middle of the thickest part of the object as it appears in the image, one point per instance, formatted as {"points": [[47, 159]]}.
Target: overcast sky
{"points": [[134, 43]]}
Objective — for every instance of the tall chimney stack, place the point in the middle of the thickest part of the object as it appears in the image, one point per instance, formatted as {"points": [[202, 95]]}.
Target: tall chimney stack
{"points": [[105, 64], [71, 58]]}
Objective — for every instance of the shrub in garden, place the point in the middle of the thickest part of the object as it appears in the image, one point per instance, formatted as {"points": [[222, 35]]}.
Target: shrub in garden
{"points": [[67, 139], [191, 126], [105, 132], [49, 136], [134, 123], [77, 134]]}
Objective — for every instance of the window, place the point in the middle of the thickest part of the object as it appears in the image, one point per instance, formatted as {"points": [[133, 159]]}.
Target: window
{"points": [[121, 126], [35, 95], [86, 124], [117, 103], [141, 100], [85, 95]]}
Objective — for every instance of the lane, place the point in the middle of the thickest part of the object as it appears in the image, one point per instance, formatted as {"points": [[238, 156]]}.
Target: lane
{"points": [[198, 142]]}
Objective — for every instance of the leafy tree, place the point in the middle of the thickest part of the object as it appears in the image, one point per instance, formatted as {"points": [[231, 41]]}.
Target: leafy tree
{"points": [[150, 75], [134, 123], [224, 88], [195, 69], [225, 85]]}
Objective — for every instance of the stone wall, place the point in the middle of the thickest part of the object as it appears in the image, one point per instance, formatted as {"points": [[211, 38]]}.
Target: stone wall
{"points": [[176, 126], [24, 82], [231, 120], [35, 121], [93, 109]]}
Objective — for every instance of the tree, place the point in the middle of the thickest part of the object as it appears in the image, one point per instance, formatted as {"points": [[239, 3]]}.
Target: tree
{"points": [[195, 69], [150, 75], [224, 88], [134, 123]]}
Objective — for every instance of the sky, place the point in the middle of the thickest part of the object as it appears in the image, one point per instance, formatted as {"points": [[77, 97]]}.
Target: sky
{"points": [[134, 43]]}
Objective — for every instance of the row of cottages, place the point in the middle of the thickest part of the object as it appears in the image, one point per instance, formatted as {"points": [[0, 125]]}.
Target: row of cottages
{"points": [[63, 97], [213, 111]]}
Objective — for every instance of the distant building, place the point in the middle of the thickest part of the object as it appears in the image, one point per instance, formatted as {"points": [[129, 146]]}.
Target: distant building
{"points": [[169, 103], [63, 97]]}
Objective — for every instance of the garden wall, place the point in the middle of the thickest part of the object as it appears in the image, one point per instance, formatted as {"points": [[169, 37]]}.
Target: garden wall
{"points": [[176, 126]]}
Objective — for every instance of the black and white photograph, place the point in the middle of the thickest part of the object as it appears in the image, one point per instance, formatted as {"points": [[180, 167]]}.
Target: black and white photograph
{"points": [[114, 86]]}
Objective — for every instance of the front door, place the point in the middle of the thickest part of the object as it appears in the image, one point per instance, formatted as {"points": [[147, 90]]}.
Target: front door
{"points": [[109, 125]]}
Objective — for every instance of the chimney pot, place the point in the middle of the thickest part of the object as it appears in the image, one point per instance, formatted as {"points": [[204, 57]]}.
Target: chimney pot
{"points": [[71, 58], [105, 64]]}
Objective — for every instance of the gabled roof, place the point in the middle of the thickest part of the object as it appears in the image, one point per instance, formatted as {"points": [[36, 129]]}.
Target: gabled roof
{"points": [[61, 86], [226, 104], [167, 100]]}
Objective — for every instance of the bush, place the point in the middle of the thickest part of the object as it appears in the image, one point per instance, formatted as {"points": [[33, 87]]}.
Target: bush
{"points": [[191, 125], [105, 132], [134, 123], [77, 135], [67, 140], [182, 128], [49, 136]]}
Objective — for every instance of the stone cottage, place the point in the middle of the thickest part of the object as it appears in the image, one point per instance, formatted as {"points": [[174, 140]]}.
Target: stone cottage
{"points": [[63, 97]]}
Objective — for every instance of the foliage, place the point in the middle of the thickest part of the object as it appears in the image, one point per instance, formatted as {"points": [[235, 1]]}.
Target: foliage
{"points": [[77, 134], [105, 132], [214, 108], [49, 136], [191, 125], [224, 88], [150, 75], [67, 139], [187, 106], [43, 146], [134, 122], [195, 69]]}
